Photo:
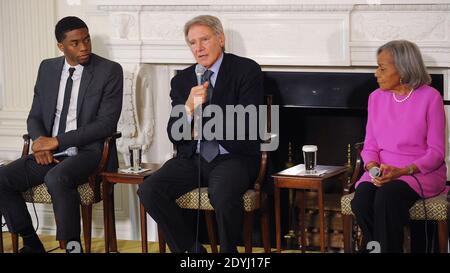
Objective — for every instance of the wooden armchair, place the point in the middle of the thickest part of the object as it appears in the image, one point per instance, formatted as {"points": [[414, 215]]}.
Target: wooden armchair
{"points": [[253, 199], [90, 193], [436, 210]]}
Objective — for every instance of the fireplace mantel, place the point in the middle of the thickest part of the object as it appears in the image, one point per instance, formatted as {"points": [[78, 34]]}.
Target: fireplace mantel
{"points": [[292, 33]]}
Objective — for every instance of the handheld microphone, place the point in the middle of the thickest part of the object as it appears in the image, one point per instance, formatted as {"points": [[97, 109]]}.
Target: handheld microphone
{"points": [[374, 172], [199, 71], [69, 152]]}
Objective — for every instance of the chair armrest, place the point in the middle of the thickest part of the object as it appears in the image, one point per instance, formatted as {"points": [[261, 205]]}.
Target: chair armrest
{"points": [[262, 171], [264, 155], [358, 168], [109, 141], [94, 179], [26, 145], [261, 176]]}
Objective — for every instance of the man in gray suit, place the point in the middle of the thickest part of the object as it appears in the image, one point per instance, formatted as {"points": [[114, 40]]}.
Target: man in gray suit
{"points": [[77, 103]]}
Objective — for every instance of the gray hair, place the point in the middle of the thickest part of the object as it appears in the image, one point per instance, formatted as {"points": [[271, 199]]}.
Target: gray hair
{"points": [[205, 20], [408, 62]]}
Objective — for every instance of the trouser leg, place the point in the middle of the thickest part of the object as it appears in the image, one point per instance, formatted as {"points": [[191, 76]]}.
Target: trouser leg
{"points": [[62, 182], [391, 213], [15, 178], [362, 207], [227, 183], [158, 194]]}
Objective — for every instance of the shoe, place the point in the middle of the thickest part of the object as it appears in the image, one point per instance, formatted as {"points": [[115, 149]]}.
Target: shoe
{"points": [[29, 249]]}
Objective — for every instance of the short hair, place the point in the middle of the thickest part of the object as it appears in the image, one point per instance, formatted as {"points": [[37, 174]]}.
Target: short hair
{"points": [[205, 20], [408, 61], [67, 24]]}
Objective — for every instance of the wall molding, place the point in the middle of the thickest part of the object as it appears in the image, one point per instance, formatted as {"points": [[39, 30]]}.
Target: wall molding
{"points": [[228, 8], [396, 7]]}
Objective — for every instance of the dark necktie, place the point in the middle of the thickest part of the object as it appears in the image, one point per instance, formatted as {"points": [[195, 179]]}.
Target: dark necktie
{"points": [[209, 149], [207, 77], [66, 103]]}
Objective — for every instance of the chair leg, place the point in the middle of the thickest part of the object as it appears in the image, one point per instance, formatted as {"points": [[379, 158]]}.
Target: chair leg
{"points": [[209, 217], [143, 218], [347, 232], [86, 214], [112, 221], [62, 244], [443, 236], [15, 242], [161, 241], [265, 230], [248, 231]]}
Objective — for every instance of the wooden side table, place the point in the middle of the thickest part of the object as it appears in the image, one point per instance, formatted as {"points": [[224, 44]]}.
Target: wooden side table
{"points": [[111, 178], [290, 179]]}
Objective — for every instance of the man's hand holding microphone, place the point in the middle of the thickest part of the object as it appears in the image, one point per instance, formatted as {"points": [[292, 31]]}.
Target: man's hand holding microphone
{"points": [[197, 96], [43, 148]]}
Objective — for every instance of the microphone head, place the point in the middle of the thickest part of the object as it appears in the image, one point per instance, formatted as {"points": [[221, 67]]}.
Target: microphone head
{"points": [[72, 151], [375, 172], [199, 71]]}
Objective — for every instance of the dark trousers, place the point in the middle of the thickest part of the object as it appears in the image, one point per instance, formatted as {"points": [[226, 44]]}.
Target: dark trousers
{"points": [[227, 178], [61, 179], [382, 212]]}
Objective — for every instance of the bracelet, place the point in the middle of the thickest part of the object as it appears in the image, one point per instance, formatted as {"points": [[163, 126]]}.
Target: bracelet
{"points": [[410, 170]]}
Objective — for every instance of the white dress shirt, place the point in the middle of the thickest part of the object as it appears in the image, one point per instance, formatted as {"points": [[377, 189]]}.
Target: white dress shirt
{"points": [[71, 122]]}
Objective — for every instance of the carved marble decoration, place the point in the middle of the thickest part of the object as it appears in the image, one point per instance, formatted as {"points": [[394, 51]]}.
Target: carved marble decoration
{"points": [[164, 26], [127, 122], [144, 101], [393, 25], [122, 24], [137, 119]]}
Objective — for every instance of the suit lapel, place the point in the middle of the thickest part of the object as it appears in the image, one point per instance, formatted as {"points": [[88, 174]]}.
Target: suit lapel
{"points": [[86, 77], [54, 89], [221, 80]]}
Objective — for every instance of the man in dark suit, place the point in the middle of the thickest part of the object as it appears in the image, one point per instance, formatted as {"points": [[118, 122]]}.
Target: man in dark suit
{"points": [[77, 103], [227, 167]]}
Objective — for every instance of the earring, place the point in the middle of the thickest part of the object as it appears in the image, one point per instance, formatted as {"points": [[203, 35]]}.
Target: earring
{"points": [[401, 81]]}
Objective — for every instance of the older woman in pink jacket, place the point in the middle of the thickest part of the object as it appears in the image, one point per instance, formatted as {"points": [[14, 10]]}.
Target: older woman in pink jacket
{"points": [[405, 139]]}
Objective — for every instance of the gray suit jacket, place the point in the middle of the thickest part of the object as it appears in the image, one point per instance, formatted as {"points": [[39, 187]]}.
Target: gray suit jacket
{"points": [[98, 108]]}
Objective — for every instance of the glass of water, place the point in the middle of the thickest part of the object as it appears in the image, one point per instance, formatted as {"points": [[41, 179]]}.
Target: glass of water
{"points": [[135, 156], [310, 157]]}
